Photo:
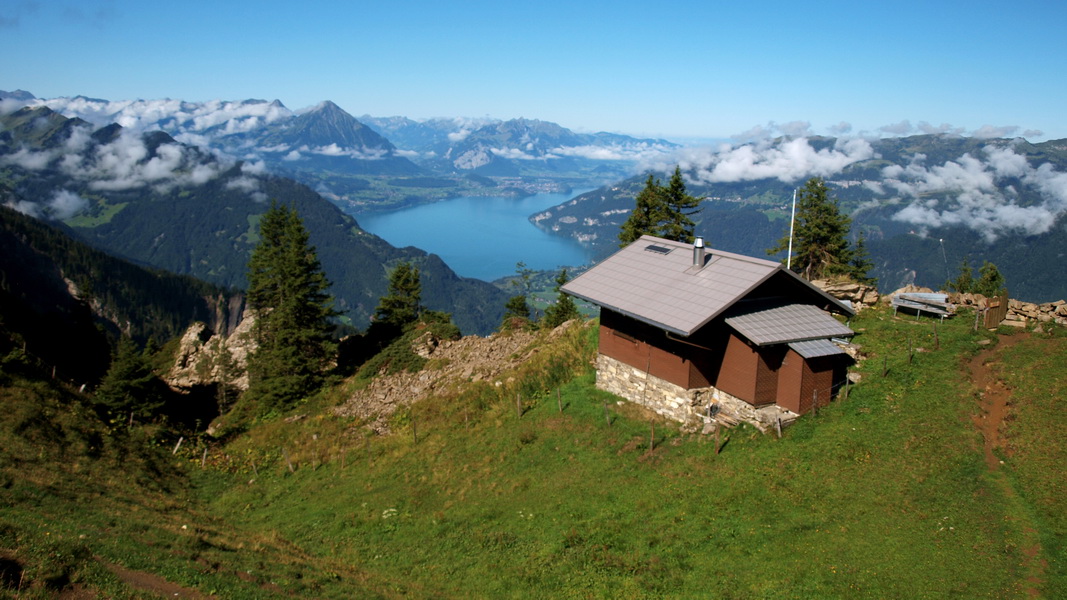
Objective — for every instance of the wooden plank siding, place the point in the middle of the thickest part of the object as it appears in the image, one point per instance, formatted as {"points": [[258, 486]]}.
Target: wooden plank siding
{"points": [[717, 356]]}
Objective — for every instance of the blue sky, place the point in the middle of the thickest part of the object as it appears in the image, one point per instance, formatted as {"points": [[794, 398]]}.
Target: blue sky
{"points": [[677, 69]]}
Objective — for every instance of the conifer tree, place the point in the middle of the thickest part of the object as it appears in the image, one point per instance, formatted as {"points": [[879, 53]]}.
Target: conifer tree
{"points": [[990, 281], [402, 305], [287, 294], [678, 206], [820, 238], [662, 211], [645, 216], [517, 307], [564, 309], [129, 385], [861, 264], [964, 281]]}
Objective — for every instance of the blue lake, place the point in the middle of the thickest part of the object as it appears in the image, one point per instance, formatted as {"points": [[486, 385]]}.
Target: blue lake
{"points": [[481, 237]]}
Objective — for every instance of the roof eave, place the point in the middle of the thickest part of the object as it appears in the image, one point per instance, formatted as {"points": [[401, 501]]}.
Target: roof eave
{"points": [[632, 315]]}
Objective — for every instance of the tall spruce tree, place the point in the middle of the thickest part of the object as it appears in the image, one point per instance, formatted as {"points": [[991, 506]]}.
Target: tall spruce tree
{"points": [[402, 305], [990, 281], [820, 234], [861, 264], [287, 294], [964, 281], [130, 387], [662, 211], [645, 216], [678, 206], [564, 309]]}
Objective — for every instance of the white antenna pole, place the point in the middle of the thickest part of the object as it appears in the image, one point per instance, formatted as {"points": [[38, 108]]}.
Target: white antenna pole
{"points": [[789, 256]]}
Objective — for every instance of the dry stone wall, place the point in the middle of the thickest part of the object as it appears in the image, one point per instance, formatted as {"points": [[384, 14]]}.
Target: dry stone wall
{"points": [[689, 407], [1020, 314]]}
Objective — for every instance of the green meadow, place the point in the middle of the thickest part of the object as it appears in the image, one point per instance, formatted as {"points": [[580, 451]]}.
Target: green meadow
{"points": [[545, 487]]}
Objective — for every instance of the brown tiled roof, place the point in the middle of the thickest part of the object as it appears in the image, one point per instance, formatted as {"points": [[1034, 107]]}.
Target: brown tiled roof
{"points": [[654, 280]]}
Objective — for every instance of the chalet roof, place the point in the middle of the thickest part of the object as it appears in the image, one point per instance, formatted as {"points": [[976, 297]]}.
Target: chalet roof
{"points": [[816, 348], [764, 324], [655, 281]]}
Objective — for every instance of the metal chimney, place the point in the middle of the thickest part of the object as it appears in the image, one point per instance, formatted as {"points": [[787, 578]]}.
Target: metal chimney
{"points": [[698, 252]]}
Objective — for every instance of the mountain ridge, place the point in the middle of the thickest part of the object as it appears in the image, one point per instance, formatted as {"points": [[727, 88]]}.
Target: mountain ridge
{"points": [[153, 200]]}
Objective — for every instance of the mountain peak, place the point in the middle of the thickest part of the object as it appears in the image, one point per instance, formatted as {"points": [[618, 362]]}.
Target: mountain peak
{"points": [[328, 107]]}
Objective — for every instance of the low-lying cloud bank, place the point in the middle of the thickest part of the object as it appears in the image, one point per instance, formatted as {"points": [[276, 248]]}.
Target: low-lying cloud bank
{"points": [[978, 192], [995, 192], [126, 162]]}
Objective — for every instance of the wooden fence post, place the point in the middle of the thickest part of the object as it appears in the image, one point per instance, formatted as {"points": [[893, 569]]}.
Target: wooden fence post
{"points": [[518, 405], [559, 401], [178, 445], [288, 462]]}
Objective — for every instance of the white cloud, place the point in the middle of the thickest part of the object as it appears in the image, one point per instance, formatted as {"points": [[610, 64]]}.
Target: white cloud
{"points": [[970, 192], [363, 153], [27, 159], [458, 136], [30, 209], [991, 131], [902, 128], [632, 152], [787, 161], [841, 128], [796, 129], [512, 153], [65, 204], [943, 128]]}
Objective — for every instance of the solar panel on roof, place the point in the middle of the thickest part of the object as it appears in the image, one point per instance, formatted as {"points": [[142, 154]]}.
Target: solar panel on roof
{"points": [[658, 249]]}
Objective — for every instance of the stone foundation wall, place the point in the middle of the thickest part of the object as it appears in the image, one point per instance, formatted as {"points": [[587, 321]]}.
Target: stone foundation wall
{"points": [[689, 407]]}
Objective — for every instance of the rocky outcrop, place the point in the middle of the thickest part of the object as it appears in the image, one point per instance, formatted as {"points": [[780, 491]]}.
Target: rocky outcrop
{"points": [[452, 362], [205, 357], [860, 295]]}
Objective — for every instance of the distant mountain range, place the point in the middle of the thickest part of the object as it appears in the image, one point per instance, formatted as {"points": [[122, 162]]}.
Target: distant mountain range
{"points": [[153, 200], [924, 203], [378, 163]]}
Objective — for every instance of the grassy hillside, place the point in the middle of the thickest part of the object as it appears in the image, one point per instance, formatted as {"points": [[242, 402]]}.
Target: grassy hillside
{"points": [[885, 494]]}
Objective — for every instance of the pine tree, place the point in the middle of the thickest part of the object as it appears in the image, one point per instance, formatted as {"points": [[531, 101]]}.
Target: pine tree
{"points": [[129, 385], [401, 306], [820, 238], [964, 282], [678, 206], [564, 309], [517, 307], [861, 263], [287, 294], [990, 281], [645, 216], [662, 211]]}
